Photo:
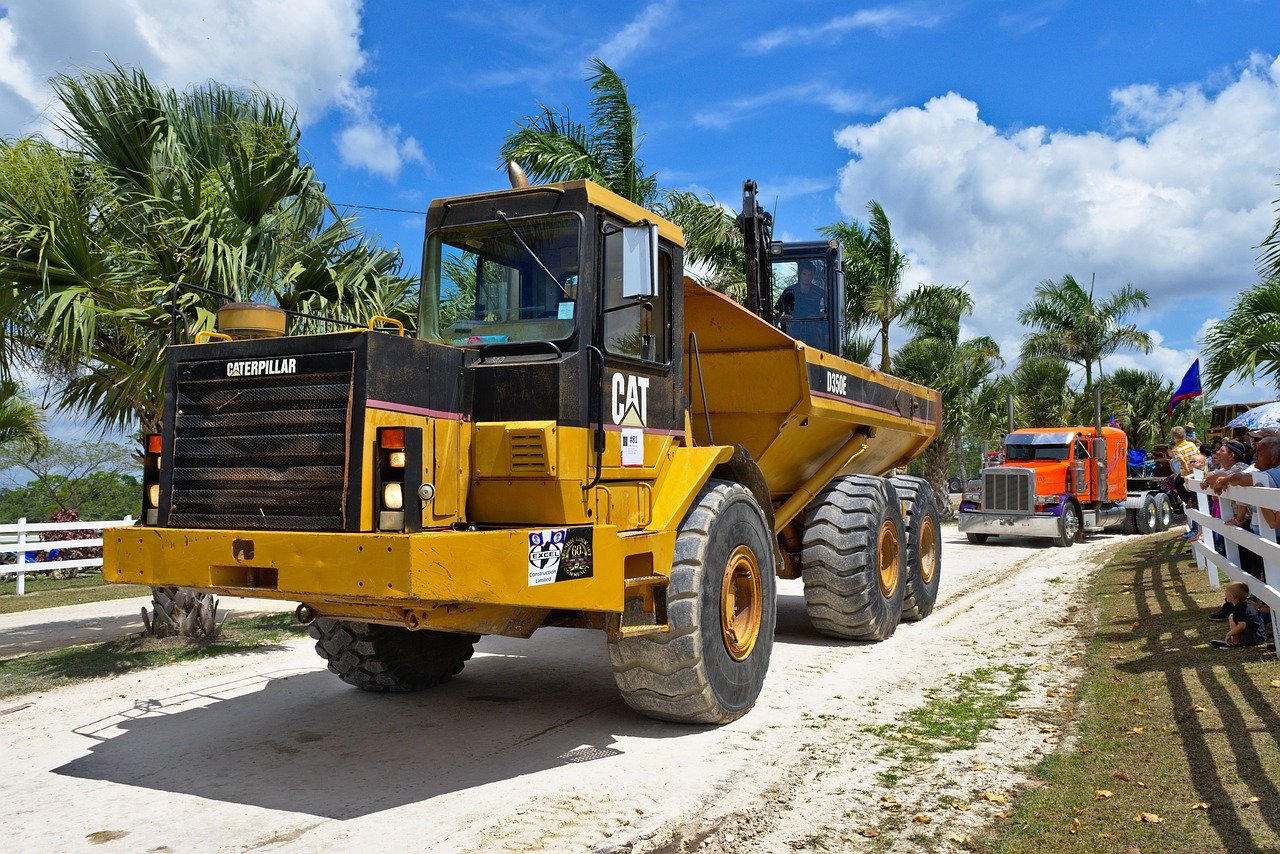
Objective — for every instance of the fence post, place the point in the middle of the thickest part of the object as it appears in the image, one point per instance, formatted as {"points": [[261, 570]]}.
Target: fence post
{"points": [[1204, 506], [21, 587]]}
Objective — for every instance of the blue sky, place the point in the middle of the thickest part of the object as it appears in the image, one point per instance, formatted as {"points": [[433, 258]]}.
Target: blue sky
{"points": [[1009, 142]]}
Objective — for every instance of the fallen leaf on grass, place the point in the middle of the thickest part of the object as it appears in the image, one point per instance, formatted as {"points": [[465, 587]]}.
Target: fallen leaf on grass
{"points": [[995, 797], [962, 807], [1122, 777], [1200, 806], [1141, 714], [1198, 709], [1148, 818], [1141, 785], [1075, 826], [869, 832], [922, 819], [1102, 794], [1008, 714], [959, 838], [1003, 815], [1136, 731], [1249, 802], [1275, 683], [978, 766], [1077, 810], [1046, 668]]}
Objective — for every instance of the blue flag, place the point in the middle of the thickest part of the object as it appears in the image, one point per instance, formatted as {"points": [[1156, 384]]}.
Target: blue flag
{"points": [[1189, 388]]}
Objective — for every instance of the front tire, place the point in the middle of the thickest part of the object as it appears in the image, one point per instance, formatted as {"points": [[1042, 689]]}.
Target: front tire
{"points": [[710, 666], [1068, 526], [373, 657], [852, 559], [924, 546], [978, 539]]}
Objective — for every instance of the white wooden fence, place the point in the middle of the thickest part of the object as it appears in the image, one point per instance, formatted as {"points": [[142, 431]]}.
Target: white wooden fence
{"points": [[22, 538], [1265, 546]]}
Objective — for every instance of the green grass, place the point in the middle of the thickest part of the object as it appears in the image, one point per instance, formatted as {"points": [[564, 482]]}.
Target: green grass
{"points": [[954, 717], [43, 671], [1167, 725], [46, 592]]}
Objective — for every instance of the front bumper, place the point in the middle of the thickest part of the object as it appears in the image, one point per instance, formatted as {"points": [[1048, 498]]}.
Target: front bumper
{"points": [[503, 568], [1008, 524]]}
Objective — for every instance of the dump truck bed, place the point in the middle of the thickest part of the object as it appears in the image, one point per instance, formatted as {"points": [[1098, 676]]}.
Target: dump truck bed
{"points": [[793, 406]]}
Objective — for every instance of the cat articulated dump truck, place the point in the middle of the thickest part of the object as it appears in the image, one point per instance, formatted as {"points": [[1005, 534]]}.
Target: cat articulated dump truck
{"points": [[575, 435]]}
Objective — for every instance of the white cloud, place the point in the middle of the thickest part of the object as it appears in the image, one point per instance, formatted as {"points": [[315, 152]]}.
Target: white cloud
{"points": [[883, 20], [636, 34], [307, 53], [723, 115], [378, 148], [1176, 211]]}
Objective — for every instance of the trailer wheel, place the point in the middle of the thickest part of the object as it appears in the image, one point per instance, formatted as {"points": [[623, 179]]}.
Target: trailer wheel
{"points": [[852, 559], [1068, 526], [390, 658], [924, 547], [721, 609], [1164, 515], [978, 539], [1147, 517]]}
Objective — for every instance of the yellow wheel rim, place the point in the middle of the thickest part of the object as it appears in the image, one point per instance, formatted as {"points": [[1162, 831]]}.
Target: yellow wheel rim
{"points": [[928, 550], [888, 556], [741, 603]]}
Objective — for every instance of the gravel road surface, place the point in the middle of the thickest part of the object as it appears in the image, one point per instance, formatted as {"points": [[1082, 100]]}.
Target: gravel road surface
{"points": [[531, 748]]}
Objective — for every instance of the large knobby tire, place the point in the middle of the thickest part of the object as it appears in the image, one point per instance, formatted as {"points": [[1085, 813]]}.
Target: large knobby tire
{"points": [[977, 539], [1147, 517], [924, 546], [390, 658], [721, 609], [853, 559], [1069, 525], [1164, 515]]}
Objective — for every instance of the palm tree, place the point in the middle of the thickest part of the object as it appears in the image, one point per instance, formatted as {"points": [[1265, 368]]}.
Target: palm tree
{"points": [[204, 187], [1269, 262], [958, 369], [1139, 400], [873, 280], [1040, 392], [1069, 325], [550, 146], [1246, 343], [21, 423]]}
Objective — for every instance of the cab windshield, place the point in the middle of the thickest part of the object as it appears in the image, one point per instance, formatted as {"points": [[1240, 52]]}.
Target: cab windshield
{"points": [[496, 282], [1023, 453]]}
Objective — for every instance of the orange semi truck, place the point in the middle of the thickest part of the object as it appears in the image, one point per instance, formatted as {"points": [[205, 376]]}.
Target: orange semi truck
{"points": [[1061, 483]]}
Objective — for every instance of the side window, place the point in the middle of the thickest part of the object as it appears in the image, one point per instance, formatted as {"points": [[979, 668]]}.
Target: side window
{"points": [[631, 328]]}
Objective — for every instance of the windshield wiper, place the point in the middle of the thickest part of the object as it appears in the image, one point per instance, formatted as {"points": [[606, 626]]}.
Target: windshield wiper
{"points": [[534, 255]]}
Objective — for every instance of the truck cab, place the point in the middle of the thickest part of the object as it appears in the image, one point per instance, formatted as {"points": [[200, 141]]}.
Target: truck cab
{"points": [[1056, 482]]}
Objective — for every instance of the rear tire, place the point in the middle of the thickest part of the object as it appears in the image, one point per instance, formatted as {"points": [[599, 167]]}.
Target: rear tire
{"points": [[1068, 526], [721, 609], [852, 559], [1130, 525], [390, 658], [1163, 514], [1147, 517], [924, 546], [978, 539]]}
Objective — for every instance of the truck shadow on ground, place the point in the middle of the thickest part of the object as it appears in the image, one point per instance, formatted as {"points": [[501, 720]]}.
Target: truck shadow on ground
{"points": [[304, 742], [1221, 744]]}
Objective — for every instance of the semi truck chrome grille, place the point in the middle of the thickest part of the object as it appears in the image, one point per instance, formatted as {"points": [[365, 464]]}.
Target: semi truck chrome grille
{"points": [[262, 451], [1008, 490]]}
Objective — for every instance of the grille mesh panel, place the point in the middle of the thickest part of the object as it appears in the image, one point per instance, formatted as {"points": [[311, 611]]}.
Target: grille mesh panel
{"points": [[262, 452], [1008, 490]]}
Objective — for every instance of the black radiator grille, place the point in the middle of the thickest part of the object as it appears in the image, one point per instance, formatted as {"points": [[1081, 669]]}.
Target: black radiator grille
{"points": [[266, 452], [1008, 490]]}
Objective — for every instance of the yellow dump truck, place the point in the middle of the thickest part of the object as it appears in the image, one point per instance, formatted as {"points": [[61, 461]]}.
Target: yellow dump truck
{"points": [[575, 435]]}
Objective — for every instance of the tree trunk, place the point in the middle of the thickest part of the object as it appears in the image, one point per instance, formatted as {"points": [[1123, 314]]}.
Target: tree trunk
{"points": [[178, 611], [884, 347]]}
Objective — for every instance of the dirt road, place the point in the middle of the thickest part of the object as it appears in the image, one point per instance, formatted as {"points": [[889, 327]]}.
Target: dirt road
{"points": [[531, 749]]}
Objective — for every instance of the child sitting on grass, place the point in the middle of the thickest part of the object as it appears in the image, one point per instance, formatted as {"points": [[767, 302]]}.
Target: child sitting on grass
{"points": [[1245, 626]]}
